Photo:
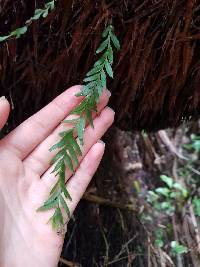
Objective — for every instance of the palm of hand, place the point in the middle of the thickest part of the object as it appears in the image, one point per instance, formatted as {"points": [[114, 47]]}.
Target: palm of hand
{"points": [[26, 237], [23, 231]]}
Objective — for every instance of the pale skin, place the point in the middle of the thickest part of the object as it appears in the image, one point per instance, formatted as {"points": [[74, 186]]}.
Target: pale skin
{"points": [[26, 239]]}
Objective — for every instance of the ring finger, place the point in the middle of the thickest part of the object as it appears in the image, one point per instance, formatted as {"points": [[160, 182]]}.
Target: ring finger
{"points": [[40, 157], [91, 136]]}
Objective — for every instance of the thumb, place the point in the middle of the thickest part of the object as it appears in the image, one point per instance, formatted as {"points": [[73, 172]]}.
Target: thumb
{"points": [[4, 111]]}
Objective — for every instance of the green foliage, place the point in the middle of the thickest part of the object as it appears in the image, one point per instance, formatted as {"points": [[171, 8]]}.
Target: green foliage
{"points": [[165, 198], [169, 203], [196, 205], [68, 146], [194, 144], [167, 180], [176, 248], [159, 238], [39, 13]]}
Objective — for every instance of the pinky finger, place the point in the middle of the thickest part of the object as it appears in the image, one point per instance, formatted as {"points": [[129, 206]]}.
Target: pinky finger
{"points": [[78, 183]]}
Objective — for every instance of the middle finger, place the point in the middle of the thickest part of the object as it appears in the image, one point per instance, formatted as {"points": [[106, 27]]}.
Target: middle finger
{"points": [[39, 159]]}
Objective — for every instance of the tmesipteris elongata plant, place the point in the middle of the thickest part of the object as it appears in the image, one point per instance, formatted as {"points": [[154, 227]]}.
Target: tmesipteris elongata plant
{"points": [[68, 146], [39, 13]]}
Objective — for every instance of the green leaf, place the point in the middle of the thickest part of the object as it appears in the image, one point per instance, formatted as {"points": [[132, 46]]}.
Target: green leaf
{"points": [[80, 108], [96, 97], [63, 186], [60, 164], [91, 78], [100, 89], [60, 144], [177, 248], [69, 162], [89, 118], [50, 203], [106, 32], [74, 144], [100, 62], [49, 206], [80, 129], [64, 133], [45, 13], [115, 41], [38, 13], [102, 46], [159, 238], [71, 121], [55, 188], [20, 31], [166, 179], [108, 69], [175, 195], [181, 188], [94, 70], [103, 79], [163, 191], [159, 243], [72, 154], [92, 100], [50, 5], [52, 198], [64, 205], [3, 38], [152, 196], [196, 145], [166, 205], [57, 220], [57, 156], [85, 89], [196, 205], [110, 55]]}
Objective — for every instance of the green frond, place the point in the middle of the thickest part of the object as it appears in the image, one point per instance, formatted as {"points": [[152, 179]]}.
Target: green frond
{"points": [[80, 129], [39, 13], [68, 146], [57, 220], [64, 205], [69, 162]]}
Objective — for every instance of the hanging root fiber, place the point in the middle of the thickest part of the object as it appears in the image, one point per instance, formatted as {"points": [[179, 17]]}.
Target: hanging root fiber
{"points": [[157, 72]]}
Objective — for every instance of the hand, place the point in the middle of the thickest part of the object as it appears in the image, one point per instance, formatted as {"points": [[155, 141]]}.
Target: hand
{"points": [[26, 237]]}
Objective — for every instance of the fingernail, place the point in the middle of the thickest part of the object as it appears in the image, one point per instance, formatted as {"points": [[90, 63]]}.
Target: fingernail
{"points": [[111, 109], [2, 98], [108, 93], [101, 142]]}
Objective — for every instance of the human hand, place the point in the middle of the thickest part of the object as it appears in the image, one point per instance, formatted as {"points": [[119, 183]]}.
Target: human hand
{"points": [[26, 239]]}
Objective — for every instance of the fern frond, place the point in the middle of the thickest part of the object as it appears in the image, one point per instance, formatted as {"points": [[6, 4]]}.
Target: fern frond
{"points": [[67, 157], [39, 13]]}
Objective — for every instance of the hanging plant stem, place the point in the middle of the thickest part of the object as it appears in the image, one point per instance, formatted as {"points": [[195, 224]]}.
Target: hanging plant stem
{"points": [[68, 147]]}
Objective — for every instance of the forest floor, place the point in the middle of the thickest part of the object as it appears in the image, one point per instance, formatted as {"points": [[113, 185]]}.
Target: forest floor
{"points": [[143, 207]]}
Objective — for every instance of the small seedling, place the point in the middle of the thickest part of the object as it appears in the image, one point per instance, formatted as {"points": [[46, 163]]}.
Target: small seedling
{"points": [[177, 248], [163, 198]]}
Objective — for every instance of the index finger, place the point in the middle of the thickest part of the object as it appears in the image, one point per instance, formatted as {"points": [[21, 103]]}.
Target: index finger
{"points": [[4, 111], [35, 129]]}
